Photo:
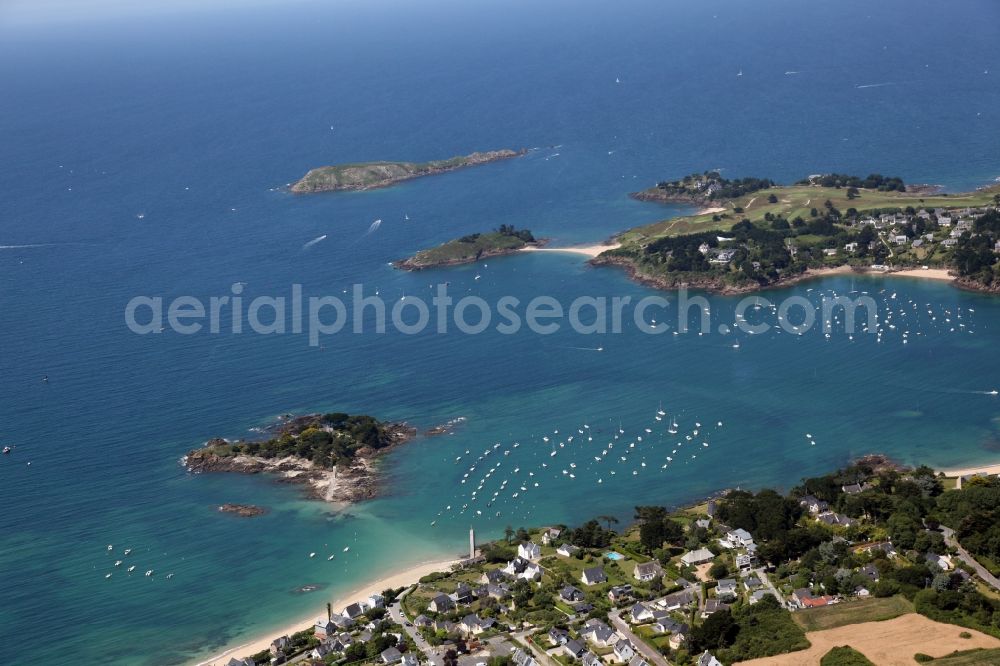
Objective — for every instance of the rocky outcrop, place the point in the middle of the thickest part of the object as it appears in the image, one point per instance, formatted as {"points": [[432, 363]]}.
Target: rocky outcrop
{"points": [[243, 510]]}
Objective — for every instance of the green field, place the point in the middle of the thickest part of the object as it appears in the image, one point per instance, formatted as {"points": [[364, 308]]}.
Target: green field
{"points": [[797, 201], [969, 658], [852, 612]]}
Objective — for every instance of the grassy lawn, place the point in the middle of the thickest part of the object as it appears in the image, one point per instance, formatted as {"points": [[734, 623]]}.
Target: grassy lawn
{"points": [[797, 201], [656, 641], [852, 612]]}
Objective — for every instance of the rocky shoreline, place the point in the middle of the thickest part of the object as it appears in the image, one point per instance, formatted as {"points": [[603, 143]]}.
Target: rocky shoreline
{"points": [[656, 195], [356, 481], [375, 175]]}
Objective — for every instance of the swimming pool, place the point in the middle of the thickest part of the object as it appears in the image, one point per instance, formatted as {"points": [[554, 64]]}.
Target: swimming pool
{"points": [[614, 556]]}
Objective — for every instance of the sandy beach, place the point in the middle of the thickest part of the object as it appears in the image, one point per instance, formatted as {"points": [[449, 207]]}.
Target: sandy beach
{"points": [[403, 578], [587, 250], [927, 274], [711, 211]]}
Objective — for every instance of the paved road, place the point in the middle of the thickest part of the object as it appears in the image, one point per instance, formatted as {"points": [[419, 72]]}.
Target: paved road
{"points": [[649, 653], [396, 613], [949, 538]]}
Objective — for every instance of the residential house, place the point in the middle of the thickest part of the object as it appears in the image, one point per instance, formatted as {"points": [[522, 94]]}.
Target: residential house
{"points": [[354, 611], [708, 659], [598, 633], [949, 242], [624, 651], [641, 613], [942, 562], [757, 595], [830, 252], [648, 571], [247, 661], [619, 593], [713, 606], [738, 538], [321, 651], [851, 247], [497, 592], [422, 621], [463, 594], [745, 561], [522, 658], [803, 598], [677, 640], [280, 645], [862, 592], [442, 603], [550, 535], [752, 583], [678, 600], [571, 594], [832, 518], [341, 621], [814, 505], [593, 576], [871, 571], [591, 659], [408, 660], [637, 660], [516, 566], [324, 628], [494, 577], [375, 601], [693, 557], [726, 589], [390, 656], [574, 648], [529, 551], [558, 636], [851, 488], [667, 625], [705, 523], [567, 550]]}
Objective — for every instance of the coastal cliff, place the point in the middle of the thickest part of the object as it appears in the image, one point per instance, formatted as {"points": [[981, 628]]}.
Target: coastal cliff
{"points": [[333, 455], [372, 175]]}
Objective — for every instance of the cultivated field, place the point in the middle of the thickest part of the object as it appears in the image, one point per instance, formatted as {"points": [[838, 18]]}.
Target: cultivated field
{"points": [[889, 643]]}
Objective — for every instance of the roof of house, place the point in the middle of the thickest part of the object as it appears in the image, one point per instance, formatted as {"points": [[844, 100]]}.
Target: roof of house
{"points": [[647, 568], [595, 574]]}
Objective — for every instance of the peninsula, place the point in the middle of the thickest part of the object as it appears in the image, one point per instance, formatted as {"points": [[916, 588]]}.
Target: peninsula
{"points": [[761, 235], [332, 453], [468, 249], [373, 175]]}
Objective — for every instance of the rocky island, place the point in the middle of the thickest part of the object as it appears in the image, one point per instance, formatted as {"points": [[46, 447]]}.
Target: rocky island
{"points": [[243, 510], [373, 175], [472, 248], [333, 454]]}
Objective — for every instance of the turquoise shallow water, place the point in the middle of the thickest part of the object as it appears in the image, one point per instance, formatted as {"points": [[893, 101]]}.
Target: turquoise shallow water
{"points": [[194, 118]]}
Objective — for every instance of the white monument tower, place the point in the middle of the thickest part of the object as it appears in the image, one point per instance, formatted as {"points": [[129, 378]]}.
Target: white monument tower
{"points": [[472, 544]]}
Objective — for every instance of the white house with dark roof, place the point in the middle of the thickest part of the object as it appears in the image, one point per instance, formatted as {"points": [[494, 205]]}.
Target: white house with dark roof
{"points": [[648, 571], [567, 550], [529, 550], [593, 576], [624, 651]]}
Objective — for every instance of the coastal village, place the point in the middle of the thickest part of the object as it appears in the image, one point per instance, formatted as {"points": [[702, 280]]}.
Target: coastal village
{"points": [[685, 587]]}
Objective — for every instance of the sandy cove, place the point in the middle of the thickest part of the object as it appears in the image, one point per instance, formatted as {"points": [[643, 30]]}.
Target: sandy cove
{"points": [[262, 642], [590, 251]]}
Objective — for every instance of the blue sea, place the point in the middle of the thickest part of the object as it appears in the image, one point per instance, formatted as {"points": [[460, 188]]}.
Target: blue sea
{"points": [[195, 118]]}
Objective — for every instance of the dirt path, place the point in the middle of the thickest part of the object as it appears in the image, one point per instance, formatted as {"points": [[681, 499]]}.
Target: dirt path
{"points": [[889, 643]]}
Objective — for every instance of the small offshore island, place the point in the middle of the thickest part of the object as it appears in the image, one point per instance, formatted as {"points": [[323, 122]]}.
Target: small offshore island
{"points": [[333, 453], [373, 175], [753, 234], [474, 247]]}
